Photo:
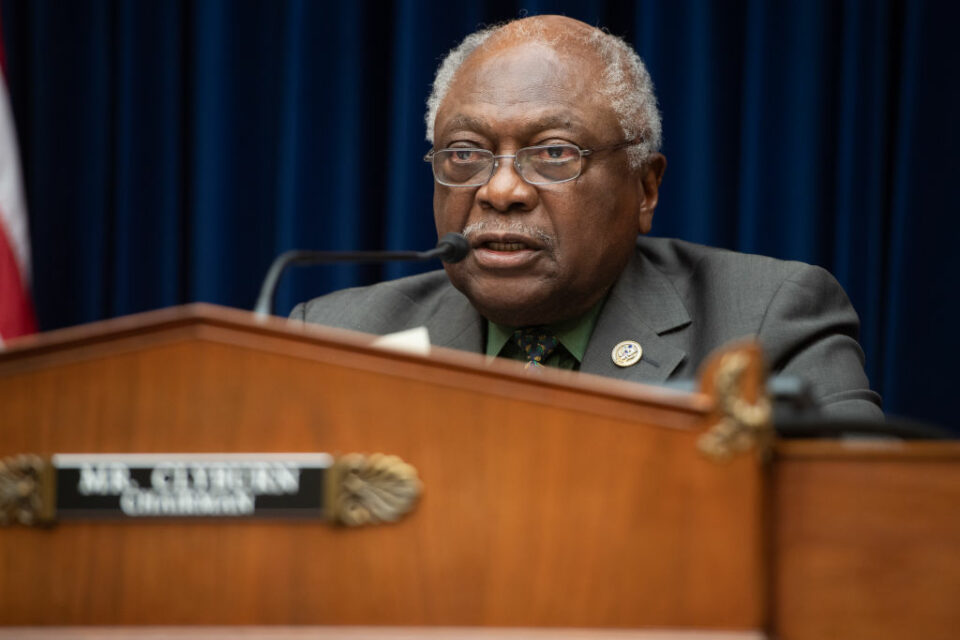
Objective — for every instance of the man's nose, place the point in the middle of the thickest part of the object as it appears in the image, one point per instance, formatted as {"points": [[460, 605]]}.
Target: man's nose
{"points": [[506, 191]]}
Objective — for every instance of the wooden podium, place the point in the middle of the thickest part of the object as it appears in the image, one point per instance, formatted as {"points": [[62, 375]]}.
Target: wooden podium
{"points": [[554, 500]]}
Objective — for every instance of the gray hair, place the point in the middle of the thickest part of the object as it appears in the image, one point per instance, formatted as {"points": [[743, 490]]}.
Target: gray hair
{"points": [[625, 82]]}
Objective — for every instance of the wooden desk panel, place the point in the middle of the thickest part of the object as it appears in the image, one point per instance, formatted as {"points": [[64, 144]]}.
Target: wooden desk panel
{"points": [[362, 633], [556, 500], [866, 540]]}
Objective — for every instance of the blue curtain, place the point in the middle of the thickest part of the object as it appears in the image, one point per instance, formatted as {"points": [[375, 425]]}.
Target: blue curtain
{"points": [[171, 149]]}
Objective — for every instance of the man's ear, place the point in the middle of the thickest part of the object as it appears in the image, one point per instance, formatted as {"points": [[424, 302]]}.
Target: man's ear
{"points": [[650, 176]]}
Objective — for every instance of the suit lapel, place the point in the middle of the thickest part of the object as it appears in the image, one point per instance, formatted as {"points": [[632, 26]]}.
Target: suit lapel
{"points": [[642, 306], [456, 324]]}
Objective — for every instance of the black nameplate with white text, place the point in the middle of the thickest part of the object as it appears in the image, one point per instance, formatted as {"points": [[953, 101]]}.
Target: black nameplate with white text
{"points": [[191, 485]]}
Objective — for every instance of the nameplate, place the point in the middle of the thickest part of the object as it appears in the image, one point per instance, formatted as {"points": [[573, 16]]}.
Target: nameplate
{"points": [[191, 485], [352, 490]]}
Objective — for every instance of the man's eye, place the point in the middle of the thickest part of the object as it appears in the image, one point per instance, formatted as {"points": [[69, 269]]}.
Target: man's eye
{"points": [[464, 155], [558, 153]]}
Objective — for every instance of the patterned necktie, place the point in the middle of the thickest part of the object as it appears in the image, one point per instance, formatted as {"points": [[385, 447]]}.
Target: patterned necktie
{"points": [[536, 344]]}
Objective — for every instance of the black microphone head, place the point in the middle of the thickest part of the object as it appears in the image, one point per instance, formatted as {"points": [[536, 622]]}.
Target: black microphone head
{"points": [[455, 247]]}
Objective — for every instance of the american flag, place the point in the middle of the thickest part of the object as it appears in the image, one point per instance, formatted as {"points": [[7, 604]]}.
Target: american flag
{"points": [[16, 305]]}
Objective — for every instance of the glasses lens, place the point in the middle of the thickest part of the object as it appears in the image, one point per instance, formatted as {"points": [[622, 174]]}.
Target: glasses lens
{"points": [[466, 167], [551, 163]]}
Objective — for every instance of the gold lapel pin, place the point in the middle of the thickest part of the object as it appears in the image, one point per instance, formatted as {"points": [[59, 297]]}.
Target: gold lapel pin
{"points": [[627, 353]]}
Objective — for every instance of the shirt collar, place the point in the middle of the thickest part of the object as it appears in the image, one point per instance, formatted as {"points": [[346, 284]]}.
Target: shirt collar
{"points": [[573, 334]]}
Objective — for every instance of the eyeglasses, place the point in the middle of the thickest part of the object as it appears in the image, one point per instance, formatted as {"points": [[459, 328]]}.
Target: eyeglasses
{"points": [[544, 164]]}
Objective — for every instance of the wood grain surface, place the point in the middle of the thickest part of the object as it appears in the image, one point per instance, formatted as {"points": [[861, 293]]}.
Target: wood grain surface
{"points": [[866, 540], [555, 500], [362, 633]]}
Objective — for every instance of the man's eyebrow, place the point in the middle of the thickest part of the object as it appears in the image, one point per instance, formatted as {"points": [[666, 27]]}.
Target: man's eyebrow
{"points": [[551, 121], [556, 121], [466, 122]]}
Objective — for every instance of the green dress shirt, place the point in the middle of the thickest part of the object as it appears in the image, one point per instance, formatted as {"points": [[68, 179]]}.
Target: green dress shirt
{"points": [[573, 336]]}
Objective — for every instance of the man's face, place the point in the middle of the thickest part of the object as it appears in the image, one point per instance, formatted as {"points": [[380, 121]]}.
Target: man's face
{"points": [[541, 254]]}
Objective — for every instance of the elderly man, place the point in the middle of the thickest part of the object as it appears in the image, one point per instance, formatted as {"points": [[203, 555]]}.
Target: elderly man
{"points": [[545, 137]]}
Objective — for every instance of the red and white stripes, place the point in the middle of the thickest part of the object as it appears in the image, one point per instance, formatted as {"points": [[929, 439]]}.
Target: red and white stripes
{"points": [[16, 305]]}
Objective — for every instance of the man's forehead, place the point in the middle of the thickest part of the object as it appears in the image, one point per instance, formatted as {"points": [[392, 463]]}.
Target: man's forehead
{"points": [[535, 58], [521, 73], [527, 81]]}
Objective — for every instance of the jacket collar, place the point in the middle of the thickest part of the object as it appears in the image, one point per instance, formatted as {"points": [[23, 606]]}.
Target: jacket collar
{"points": [[456, 324], [642, 306]]}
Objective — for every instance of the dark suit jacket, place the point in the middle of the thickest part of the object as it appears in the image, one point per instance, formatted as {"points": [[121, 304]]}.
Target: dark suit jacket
{"points": [[678, 300]]}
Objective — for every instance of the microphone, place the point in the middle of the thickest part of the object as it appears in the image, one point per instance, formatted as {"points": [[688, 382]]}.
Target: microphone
{"points": [[451, 248]]}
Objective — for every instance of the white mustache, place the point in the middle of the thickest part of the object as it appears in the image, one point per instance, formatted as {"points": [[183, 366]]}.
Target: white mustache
{"points": [[514, 227]]}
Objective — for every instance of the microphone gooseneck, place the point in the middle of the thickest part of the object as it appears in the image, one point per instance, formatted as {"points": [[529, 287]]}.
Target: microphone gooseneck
{"points": [[452, 247]]}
